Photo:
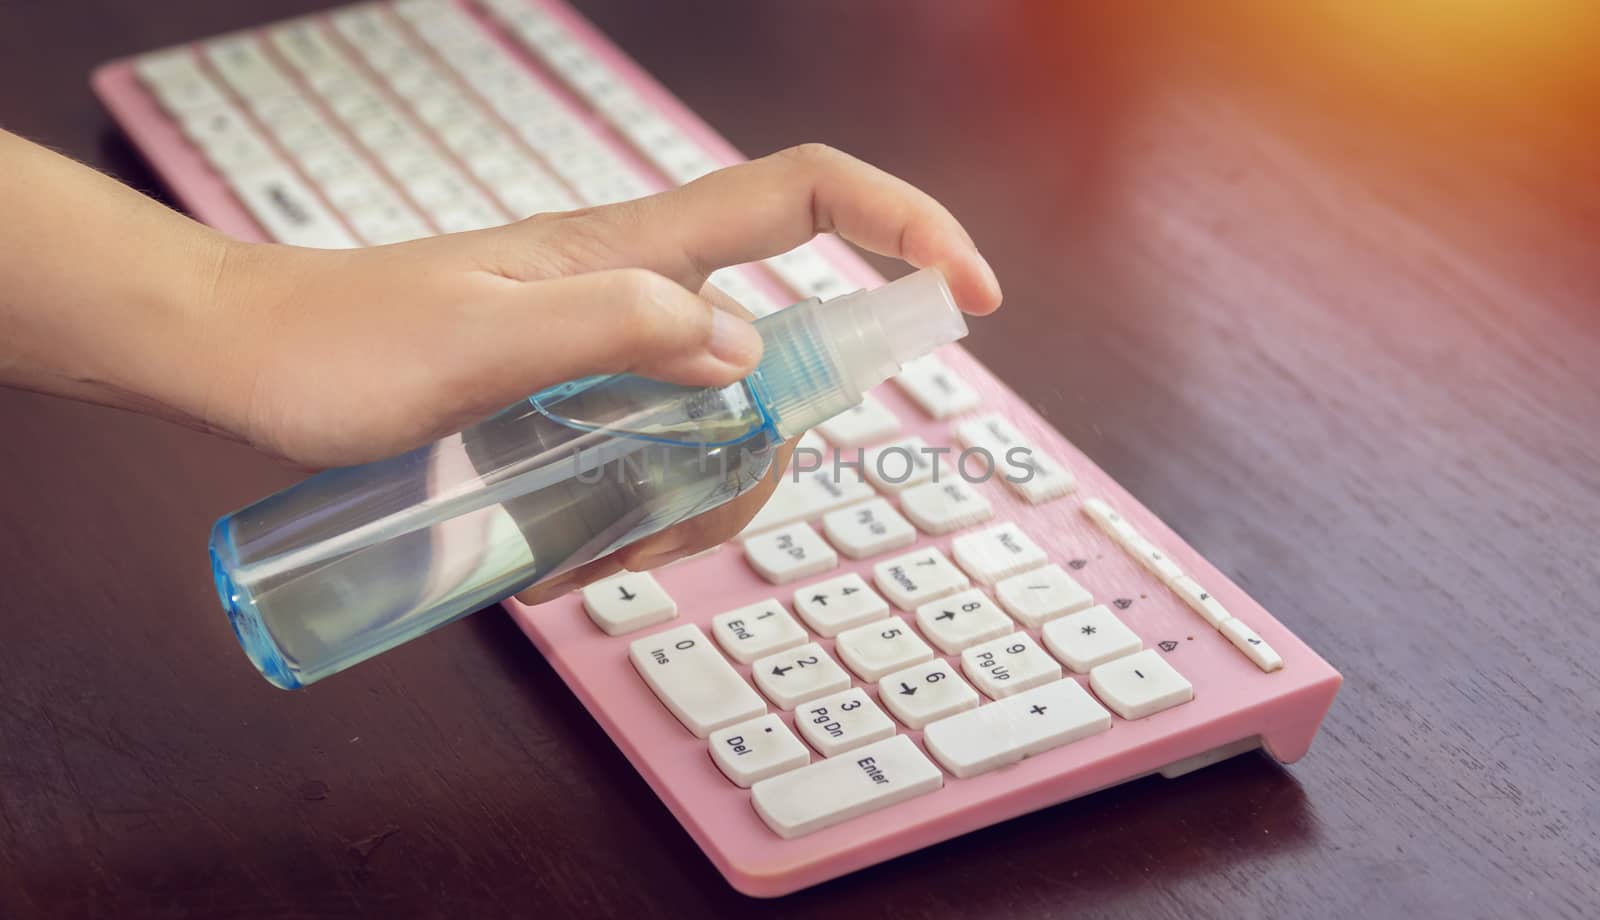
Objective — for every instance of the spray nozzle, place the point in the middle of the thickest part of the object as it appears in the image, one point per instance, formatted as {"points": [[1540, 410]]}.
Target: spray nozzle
{"points": [[821, 357]]}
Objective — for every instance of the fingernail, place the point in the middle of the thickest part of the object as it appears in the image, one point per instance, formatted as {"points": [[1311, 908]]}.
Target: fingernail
{"points": [[547, 591], [989, 275], [733, 340]]}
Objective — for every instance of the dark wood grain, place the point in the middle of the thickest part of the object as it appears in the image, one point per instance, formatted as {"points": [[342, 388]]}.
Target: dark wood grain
{"points": [[1319, 286]]}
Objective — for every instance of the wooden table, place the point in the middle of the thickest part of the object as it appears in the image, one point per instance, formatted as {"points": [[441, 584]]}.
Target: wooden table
{"points": [[1318, 286]]}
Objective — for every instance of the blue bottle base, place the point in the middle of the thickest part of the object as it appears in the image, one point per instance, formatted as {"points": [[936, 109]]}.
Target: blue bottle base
{"points": [[246, 619]]}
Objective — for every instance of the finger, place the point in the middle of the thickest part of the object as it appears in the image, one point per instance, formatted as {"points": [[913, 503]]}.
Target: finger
{"points": [[769, 206], [575, 580], [538, 334], [723, 301], [714, 527]]}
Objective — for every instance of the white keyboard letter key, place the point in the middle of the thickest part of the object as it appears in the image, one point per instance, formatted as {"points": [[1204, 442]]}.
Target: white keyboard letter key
{"points": [[916, 578], [997, 553], [1009, 665], [923, 693], [797, 675], [789, 553], [838, 723], [751, 751], [830, 791], [1140, 685], [1090, 638], [1019, 726], [627, 601], [877, 648], [1040, 595], [759, 629], [693, 681], [832, 606]]}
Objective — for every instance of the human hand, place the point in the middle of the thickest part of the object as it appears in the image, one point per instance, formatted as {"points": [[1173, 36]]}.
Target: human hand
{"points": [[356, 355], [332, 358]]}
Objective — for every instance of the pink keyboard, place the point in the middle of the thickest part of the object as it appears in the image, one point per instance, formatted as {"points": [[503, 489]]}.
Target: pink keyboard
{"points": [[901, 647]]}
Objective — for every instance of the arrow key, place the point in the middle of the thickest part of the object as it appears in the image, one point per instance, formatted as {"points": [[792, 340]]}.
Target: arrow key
{"points": [[832, 606], [798, 675], [926, 693], [626, 602]]}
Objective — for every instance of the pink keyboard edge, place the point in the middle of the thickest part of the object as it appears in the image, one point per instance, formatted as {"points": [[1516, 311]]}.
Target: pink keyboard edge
{"points": [[1233, 699]]}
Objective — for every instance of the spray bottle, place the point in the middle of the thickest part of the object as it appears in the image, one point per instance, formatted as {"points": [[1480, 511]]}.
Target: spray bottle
{"points": [[355, 561]]}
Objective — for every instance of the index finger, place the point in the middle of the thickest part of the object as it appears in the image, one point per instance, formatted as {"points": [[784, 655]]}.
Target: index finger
{"points": [[771, 205]]}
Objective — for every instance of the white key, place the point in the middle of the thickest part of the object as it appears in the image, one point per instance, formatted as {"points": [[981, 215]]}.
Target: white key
{"points": [[353, 193], [177, 81], [832, 606], [807, 271], [751, 751], [946, 505], [1140, 685], [386, 219], [923, 693], [1117, 527], [470, 213], [962, 620], [1009, 665], [611, 188], [332, 162], [842, 722], [900, 464], [366, 28], [694, 682], [829, 791], [628, 601], [798, 675], [1019, 726], [865, 423], [806, 494], [868, 529], [1089, 638], [297, 126], [755, 630], [789, 553], [227, 139], [288, 210], [440, 188], [936, 388], [245, 67], [1038, 478], [1018, 463], [1152, 557], [1254, 647], [1201, 601], [875, 649], [912, 580], [304, 45], [532, 194], [997, 553], [1040, 595]]}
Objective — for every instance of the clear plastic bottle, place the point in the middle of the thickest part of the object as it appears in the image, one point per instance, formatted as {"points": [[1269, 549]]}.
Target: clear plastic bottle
{"points": [[355, 561]]}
